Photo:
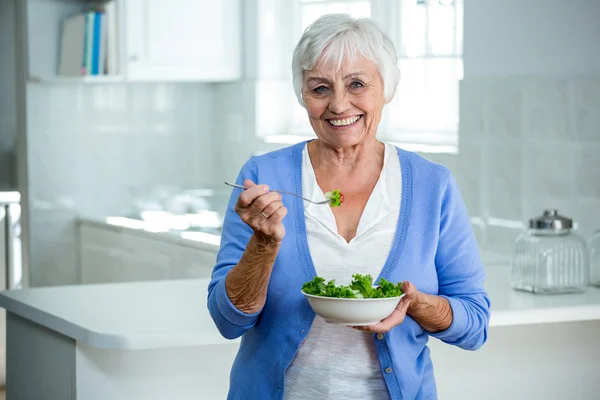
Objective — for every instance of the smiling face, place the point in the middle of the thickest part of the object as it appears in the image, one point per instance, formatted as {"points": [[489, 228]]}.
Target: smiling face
{"points": [[344, 105]]}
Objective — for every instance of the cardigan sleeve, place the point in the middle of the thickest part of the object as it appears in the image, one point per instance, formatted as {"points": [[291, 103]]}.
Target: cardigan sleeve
{"points": [[461, 274], [231, 322]]}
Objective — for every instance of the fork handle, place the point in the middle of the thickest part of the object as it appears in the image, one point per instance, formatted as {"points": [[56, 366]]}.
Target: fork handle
{"points": [[278, 191]]}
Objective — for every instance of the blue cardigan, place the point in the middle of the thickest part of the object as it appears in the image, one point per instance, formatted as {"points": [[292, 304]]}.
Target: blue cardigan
{"points": [[434, 248]]}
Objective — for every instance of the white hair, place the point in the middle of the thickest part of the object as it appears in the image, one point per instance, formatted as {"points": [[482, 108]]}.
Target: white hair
{"points": [[335, 37]]}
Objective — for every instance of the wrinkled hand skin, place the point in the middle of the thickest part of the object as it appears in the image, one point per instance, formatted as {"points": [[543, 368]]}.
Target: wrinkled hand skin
{"points": [[263, 211], [433, 313], [247, 282]]}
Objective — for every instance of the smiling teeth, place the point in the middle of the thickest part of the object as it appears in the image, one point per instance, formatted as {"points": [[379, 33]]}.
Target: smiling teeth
{"points": [[344, 122]]}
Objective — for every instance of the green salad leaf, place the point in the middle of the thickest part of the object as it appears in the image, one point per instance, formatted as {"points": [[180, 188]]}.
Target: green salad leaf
{"points": [[335, 198], [360, 287]]}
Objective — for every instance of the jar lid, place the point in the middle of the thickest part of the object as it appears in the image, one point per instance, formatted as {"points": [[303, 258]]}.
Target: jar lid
{"points": [[551, 220]]}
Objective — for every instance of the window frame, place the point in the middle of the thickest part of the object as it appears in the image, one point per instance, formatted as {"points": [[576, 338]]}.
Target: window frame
{"points": [[388, 15]]}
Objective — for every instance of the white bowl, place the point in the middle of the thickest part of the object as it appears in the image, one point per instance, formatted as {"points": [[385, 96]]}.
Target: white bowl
{"points": [[352, 312]]}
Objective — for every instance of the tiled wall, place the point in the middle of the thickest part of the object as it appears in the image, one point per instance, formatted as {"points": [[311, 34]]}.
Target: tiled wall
{"points": [[526, 144], [94, 148]]}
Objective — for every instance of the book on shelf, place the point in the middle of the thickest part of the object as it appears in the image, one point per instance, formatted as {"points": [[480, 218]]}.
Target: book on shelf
{"points": [[89, 43]]}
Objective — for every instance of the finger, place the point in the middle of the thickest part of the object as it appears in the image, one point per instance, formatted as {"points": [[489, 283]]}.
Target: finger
{"points": [[248, 183], [273, 220], [256, 216], [262, 202], [410, 289], [264, 218], [270, 209], [403, 304], [395, 318], [385, 325], [249, 195], [278, 215], [273, 226]]}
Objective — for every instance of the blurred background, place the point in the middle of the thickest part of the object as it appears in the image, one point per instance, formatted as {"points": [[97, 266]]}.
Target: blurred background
{"points": [[504, 93], [120, 120]]}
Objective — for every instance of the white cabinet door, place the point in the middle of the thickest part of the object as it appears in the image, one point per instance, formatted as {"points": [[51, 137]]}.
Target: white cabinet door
{"points": [[182, 40], [195, 263], [114, 255], [108, 255], [100, 255], [147, 259]]}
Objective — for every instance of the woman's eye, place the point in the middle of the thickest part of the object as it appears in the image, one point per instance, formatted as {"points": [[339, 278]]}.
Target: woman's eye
{"points": [[320, 89], [356, 85]]}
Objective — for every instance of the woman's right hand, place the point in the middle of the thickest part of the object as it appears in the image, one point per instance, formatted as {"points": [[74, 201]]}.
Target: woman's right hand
{"points": [[263, 211]]}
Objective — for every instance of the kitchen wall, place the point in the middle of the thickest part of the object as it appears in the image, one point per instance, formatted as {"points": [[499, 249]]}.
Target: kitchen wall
{"points": [[235, 105], [93, 149], [529, 134], [529, 115], [528, 144], [534, 37], [529, 130], [8, 108]]}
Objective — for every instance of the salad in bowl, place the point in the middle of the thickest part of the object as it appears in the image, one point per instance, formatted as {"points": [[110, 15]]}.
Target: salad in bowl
{"points": [[358, 304]]}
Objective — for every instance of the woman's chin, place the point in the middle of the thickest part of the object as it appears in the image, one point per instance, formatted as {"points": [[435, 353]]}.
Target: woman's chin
{"points": [[346, 137]]}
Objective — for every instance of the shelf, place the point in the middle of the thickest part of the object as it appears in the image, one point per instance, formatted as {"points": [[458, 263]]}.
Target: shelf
{"points": [[45, 20]]}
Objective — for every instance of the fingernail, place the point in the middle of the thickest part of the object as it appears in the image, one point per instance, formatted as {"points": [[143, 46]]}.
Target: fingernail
{"points": [[265, 188]]}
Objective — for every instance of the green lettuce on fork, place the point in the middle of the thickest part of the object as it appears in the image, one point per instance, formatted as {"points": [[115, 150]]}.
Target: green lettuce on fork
{"points": [[335, 198], [361, 287]]}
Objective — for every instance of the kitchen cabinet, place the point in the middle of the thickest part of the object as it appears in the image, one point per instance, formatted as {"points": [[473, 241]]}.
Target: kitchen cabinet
{"points": [[146, 258], [154, 40], [113, 254], [195, 263], [182, 40]]}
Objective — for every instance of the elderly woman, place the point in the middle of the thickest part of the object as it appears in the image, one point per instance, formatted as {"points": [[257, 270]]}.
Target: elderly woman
{"points": [[403, 219]]}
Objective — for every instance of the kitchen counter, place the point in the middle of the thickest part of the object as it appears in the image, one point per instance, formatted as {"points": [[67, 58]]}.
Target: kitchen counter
{"points": [[123, 341], [510, 308], [124, 315], [118, 337]]}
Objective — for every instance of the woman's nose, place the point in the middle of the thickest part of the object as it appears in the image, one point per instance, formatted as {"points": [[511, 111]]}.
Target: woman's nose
{"points": [[339, 102]]}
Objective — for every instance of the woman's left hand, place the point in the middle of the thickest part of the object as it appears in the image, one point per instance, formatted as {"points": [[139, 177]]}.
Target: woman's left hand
{"points": [[411, 298]]}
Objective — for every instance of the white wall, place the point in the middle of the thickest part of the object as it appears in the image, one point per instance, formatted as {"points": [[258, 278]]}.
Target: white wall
{"points": [[529, 130], [91, 145], [95, 149], [533, 37]]}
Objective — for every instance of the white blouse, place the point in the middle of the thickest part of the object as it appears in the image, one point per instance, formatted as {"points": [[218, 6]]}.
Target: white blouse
{"points": [[336, 361]]}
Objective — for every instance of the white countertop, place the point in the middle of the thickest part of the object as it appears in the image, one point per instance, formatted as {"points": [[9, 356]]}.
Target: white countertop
{"points": [[161, 314], [134, 315], [510, 307]]}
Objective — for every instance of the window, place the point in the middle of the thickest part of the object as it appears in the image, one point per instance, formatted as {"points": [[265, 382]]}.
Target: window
{"points": [[424, 113]]}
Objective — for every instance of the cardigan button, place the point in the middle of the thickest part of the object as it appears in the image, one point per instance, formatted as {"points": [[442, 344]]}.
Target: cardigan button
{"points": [[380, 336], [388, 370]]}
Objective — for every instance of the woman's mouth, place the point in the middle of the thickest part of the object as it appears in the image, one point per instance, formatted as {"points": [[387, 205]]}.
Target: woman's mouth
{"points": [[343, 122]]}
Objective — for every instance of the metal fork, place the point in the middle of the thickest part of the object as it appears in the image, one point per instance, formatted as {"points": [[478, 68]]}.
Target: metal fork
{"points": [[282, 192]]}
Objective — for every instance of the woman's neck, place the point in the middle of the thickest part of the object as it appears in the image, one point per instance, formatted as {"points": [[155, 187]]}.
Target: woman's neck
{"points": [[365, 158]]}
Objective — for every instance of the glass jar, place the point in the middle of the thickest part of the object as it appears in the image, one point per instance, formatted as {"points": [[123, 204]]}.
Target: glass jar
{"points": [[594, 248], [549, 257]]}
